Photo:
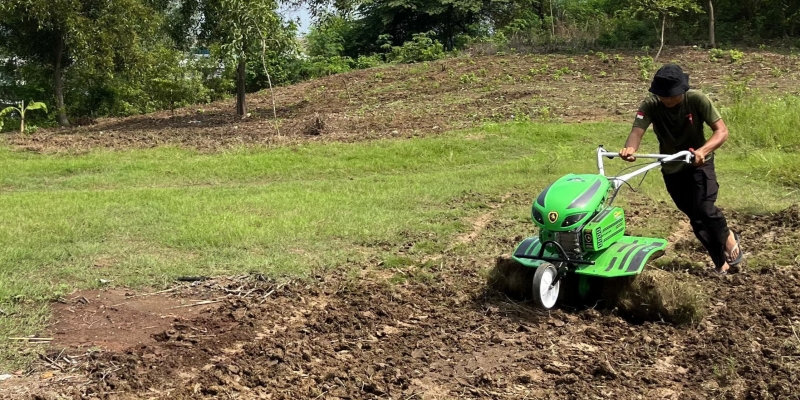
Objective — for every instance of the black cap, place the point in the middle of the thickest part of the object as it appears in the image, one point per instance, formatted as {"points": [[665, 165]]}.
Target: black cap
{"points": [[670, 80]]}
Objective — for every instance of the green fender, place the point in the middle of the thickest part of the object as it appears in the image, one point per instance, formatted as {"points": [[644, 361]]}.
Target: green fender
{"points": [[627, 256]]}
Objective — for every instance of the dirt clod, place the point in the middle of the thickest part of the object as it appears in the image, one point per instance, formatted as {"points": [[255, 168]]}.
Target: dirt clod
{"points": [[512, 278], [314, 125], [657, 295]]}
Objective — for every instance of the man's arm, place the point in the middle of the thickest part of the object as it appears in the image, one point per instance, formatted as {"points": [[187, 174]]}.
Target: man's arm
{"points": [[632, 144], [719, 136]]}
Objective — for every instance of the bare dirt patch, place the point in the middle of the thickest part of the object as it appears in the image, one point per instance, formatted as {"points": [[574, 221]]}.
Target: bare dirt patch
{"points": [[422, 99], [116, 319], [359, 336]]}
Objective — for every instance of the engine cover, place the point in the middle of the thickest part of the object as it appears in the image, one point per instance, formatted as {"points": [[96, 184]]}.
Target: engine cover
{"points": [[604, 229]]}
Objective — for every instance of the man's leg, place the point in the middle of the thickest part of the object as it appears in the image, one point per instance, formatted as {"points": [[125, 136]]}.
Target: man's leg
{"points": [[711, 216], [688, 190]]}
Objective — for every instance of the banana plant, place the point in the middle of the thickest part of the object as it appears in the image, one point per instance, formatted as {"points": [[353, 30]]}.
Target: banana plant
{"points": [[21, 109]]}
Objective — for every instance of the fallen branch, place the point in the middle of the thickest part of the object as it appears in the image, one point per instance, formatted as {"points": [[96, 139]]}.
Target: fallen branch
{"points": [[191, 278], [31, 339], [54, 363]]}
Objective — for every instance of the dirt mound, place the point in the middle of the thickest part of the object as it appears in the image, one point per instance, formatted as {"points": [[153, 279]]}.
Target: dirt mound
{"points": [[655, 295], [788, 218], [660, 295], [511, 278]]}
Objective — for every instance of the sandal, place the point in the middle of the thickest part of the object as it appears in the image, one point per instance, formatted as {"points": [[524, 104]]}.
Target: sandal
{"points": [[739, 258]]}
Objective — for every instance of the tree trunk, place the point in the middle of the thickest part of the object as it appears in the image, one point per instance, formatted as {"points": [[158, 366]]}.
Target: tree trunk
{"points": [[58, 77], [663, 28], [552, 22], [22, 117], [241, 108], [712, 40]]}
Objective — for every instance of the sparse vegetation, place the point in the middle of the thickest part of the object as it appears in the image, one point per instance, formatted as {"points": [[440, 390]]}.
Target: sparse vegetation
{"points": [[646, 67], [733, 56], [21, 109], [468, 78]]}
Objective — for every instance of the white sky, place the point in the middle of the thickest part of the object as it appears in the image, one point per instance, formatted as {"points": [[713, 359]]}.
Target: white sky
{"points": [[300, 14]]}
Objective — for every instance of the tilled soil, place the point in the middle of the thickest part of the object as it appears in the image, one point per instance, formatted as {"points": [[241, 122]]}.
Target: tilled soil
{"points": [[438, 332]]}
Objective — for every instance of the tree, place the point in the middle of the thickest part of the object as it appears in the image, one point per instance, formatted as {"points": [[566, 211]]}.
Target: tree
{"points": [[237, 26], [661, 10], [402, 19], [56, 33]]}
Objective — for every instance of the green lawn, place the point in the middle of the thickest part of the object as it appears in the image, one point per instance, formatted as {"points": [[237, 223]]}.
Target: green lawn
{"points": [[144, 217]]}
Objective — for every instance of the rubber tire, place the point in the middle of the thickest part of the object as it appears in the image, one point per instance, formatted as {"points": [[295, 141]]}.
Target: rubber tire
{"points": [[545, 269]]}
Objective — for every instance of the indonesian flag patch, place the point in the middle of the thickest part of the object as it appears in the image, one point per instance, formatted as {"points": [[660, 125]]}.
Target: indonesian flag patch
{"points": [[639, 115]]}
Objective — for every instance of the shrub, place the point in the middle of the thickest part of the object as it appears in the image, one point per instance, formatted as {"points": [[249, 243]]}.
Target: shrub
{"points": [[421, 48]]}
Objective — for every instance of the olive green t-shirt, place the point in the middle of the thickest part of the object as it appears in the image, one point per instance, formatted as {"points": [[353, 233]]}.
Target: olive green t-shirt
{"points": [[678, 128]]}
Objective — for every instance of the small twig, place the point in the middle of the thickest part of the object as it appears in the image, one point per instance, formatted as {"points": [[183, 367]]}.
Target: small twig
{"points": [[162, 291], [347, 90], [53, 363], [269, 80], [60, 354], [320, 395], [198, 303], [477, 329], [31, 339], [148, 294], [3, 312]]}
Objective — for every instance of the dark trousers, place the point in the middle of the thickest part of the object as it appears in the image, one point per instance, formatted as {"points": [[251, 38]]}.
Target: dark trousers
{"points": [[694, 191]]}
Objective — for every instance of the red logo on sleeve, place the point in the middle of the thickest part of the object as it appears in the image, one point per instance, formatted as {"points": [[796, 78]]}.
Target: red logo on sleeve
{"points": [[639, 115], [691, 119]]}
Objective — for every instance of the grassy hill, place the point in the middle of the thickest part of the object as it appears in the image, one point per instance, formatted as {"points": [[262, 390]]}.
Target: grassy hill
{"points": [[430, 98]]}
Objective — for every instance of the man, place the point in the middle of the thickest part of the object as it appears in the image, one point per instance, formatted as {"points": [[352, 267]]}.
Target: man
{"points": [[678, 115]]}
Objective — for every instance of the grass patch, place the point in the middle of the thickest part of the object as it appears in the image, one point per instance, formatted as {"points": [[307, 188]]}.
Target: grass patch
{"points": [[758, 122]]}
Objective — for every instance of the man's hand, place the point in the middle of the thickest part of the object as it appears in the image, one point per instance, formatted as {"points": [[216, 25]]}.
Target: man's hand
{"points": [[627, 154], [699, 156]]}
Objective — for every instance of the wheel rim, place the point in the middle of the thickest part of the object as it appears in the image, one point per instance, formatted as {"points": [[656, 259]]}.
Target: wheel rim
{"points": [[549, 294]]}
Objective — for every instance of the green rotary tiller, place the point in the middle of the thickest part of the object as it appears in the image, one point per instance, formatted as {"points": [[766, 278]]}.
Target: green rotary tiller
{"points": [[582, 234]]}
